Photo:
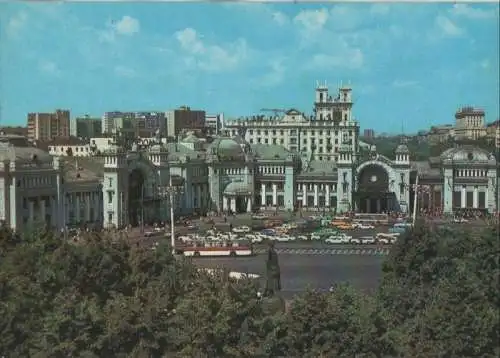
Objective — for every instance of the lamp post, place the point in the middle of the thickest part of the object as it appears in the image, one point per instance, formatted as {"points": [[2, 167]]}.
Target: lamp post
{"points": [[170, 191]]}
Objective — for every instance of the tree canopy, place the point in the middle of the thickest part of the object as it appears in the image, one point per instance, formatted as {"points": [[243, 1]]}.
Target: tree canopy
{"points": [[108, 298], [422, 150]]}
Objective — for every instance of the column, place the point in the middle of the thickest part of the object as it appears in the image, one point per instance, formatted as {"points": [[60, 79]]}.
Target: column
{"points": [[327, 195], [316, 195], [249, 204], [31, 211], [53, 211], [42, 211], [475, 198], [263, 194], [275, 195], [77, 208], [199, 196], [225, 204], [367, 205], [87, 207], [233, 205], [378, 206], [304, 195], [463, 198]]}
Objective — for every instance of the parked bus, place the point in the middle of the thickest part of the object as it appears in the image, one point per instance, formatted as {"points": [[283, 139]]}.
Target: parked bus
{"points": [[210, 249]]}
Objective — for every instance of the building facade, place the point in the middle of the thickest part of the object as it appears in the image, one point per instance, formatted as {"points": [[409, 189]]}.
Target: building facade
{"points": [[184, 119], [86, 127], [127, 186], [320, 134], [134, 124], [214, 124], [470, 123], [48, 126]]}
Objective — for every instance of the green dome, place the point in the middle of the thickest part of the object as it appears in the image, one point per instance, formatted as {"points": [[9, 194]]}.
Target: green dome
{"points": [[227, 148]]}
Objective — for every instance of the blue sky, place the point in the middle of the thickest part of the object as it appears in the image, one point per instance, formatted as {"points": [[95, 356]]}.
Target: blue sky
{"points": [[410, 65]]}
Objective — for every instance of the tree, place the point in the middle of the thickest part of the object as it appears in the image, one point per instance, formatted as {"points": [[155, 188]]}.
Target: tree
{"points": [[69, 152], [439, 293]]}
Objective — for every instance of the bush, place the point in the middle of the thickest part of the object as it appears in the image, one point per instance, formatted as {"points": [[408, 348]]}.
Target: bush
{"points": [[104, 298]]}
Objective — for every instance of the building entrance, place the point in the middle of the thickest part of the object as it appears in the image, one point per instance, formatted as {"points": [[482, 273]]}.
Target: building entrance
{"points": [[241, 204], [136, 198], [373, 194]]}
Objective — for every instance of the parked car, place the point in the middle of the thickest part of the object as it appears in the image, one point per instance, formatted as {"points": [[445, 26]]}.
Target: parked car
{"points": [[366, 240], [363, 226], [241, 229]]}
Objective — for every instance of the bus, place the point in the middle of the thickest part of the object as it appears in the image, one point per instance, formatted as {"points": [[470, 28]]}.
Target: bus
{"points": [[211, 249], [373, 219]]}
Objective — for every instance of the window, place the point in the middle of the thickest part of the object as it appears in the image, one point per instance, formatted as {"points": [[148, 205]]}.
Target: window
{"points": [[110, 182], [110, 197]]}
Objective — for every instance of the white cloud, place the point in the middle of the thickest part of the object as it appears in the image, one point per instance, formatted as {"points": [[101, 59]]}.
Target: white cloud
{"points": [[212, 58], [280, 18], [312, 20], [49, 68], [273, 77], [127, 26], [473, 13], [448, 27], [16, 23], [123, 71], [404, 83], [351, 58]]}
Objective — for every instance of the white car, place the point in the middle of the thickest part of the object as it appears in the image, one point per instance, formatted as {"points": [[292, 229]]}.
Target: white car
{"points": [[284, 238], [385, 240], [315, 237], [364, 226], [339, 239], [241, 229], [367, 240], [460, 220], [391, 236], [302, 238], [185, 239], [334, 240], [259, 216]]}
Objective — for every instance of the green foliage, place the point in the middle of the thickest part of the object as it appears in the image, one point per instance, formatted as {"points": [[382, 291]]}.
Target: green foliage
{"points": [[105, 298], [420, 149]]}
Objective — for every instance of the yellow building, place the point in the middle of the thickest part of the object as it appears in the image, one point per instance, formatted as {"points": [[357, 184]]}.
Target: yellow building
{"points": [[470, 123]]}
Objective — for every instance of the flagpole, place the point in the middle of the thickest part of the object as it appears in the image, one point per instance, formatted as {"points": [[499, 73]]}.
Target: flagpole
{"points": [[415, 198]]}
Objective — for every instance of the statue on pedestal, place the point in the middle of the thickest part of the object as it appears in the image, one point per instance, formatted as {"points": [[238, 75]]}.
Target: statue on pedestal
{"points": [[272, 302]]}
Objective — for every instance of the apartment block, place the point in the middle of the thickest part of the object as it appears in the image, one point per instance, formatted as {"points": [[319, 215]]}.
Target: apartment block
{"points": [[48, 126]]}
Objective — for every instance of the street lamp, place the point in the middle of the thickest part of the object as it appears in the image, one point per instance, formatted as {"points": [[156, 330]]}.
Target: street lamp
{"points": [[170, 191]]}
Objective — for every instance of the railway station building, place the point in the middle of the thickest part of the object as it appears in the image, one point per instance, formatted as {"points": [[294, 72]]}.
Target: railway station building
{"points": [[127, 185]]}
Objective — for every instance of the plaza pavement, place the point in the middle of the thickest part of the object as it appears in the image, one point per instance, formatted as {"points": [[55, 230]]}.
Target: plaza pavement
{"points": [[300, 272]]}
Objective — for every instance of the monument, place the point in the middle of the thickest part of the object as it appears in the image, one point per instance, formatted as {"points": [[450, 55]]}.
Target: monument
{"points": [[272, 302]]}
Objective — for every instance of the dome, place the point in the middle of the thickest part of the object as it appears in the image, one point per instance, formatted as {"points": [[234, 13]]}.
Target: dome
{"points": [[238, 188], [402, 148], [227, 148], [17, 149], [466, 154]]}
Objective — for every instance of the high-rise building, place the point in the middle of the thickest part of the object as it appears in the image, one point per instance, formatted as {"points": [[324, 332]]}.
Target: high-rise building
{"points": [[48, 126], [134, 124], [368, 133], [184, 119], [322, 134], [85, 127], [214, 123], [470, 123]]}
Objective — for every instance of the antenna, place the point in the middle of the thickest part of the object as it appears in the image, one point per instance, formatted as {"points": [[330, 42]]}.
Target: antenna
{"points": [[317, 83]]}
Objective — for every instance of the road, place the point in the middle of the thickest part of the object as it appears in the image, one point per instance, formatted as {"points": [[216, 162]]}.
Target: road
{"points": [[299, 272]]}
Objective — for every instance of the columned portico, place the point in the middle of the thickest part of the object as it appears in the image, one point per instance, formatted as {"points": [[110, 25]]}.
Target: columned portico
{"points": [[238, 197]]}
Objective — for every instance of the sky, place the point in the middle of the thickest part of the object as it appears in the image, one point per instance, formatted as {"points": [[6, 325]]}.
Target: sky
{"points": [[410, 65]]}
